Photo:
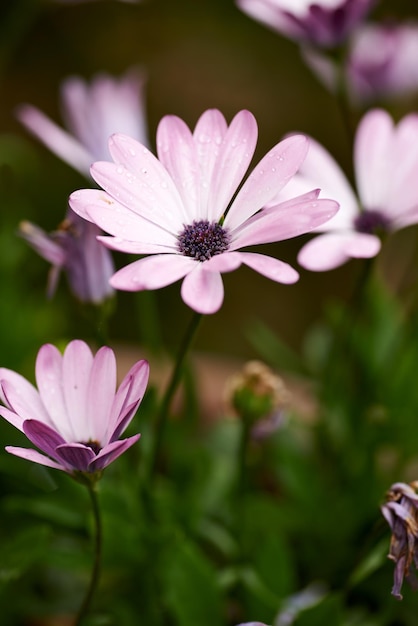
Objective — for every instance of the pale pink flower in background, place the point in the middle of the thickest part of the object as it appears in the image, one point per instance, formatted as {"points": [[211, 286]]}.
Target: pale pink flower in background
{"points": [[383, 61], [185, 211], [92, 111], [386, 166], [324, 23], [73, 248], [75, 416], [380, 63]]}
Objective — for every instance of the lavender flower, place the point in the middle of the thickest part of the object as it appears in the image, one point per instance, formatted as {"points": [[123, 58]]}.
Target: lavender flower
{"points": [[75, 416], [74, 249]]}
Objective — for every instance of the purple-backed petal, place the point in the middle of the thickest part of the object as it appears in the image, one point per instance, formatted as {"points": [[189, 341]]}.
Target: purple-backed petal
{"points": [[127, 398], [100, 395], [111, 452], [203, 290], [267, 179], [113, 217], [55, 138], [232, 162], [270, 268], [13, 418], [141, 182], [177, 152], [289, 219], [77, 362], [153, 272], [76, 456], [35, 457], [42, 243], [372, 158], [331, 250], [21, 397], [208, 135], [43, 437]]}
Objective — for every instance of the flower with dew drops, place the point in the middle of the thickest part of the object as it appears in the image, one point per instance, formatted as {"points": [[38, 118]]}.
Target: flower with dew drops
{"points": [[73, 248], [401, 512], [324, 23], [185, 212], [92, 111], [386, 165], [76, 415]]}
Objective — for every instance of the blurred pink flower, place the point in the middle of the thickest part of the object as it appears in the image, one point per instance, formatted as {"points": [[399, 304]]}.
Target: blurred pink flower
{"points": [[386, 166], [91, 112], [380, 63], [74, 249], [184, 209], [324, 23], [76, 416]]}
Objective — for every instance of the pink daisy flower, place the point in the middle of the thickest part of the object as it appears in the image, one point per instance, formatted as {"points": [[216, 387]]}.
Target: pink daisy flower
{"points": [[75, 416], [386, 166], [184, 209]]}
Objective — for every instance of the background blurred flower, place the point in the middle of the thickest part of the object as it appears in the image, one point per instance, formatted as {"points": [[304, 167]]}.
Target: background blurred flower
{"points": [[324, 23], [91, 112], [401, 513], [180, 208], [74, 249], [76, 416], [382, 61], [386, 165]]}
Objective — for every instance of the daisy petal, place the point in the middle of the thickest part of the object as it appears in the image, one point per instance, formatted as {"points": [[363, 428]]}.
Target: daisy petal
{"points": [[100, 395], [331, 250], [76, 456], [267, 179], [113, 217], [135, 247], [112, 452], [271, 268], [203, 290], [21, 397], [35, 457], [77, 362], [177, 152], [49, 379], [129, 395], [233, 160], [153, 272], [61, 143], [289, 219], [42, 436]]}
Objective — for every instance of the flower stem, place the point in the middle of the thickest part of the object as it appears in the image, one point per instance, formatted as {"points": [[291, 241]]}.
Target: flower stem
{"points": [[162, 415], [95, 574]]}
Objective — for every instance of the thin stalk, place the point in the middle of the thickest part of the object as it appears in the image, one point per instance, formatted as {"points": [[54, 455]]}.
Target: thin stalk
{"points": [[95, 574], [162, 415]]}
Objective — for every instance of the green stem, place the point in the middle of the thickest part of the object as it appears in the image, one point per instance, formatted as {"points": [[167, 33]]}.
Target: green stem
{"points": [[162, 414], [95, 574]]}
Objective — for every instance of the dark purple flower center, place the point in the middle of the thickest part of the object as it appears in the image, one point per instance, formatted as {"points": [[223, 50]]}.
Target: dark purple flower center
{"points": [[202, 240], [371, 222], [94, 445]]}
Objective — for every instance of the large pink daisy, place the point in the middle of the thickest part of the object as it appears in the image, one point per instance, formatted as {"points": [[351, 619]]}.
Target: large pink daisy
{"points": [[184, 209]]}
